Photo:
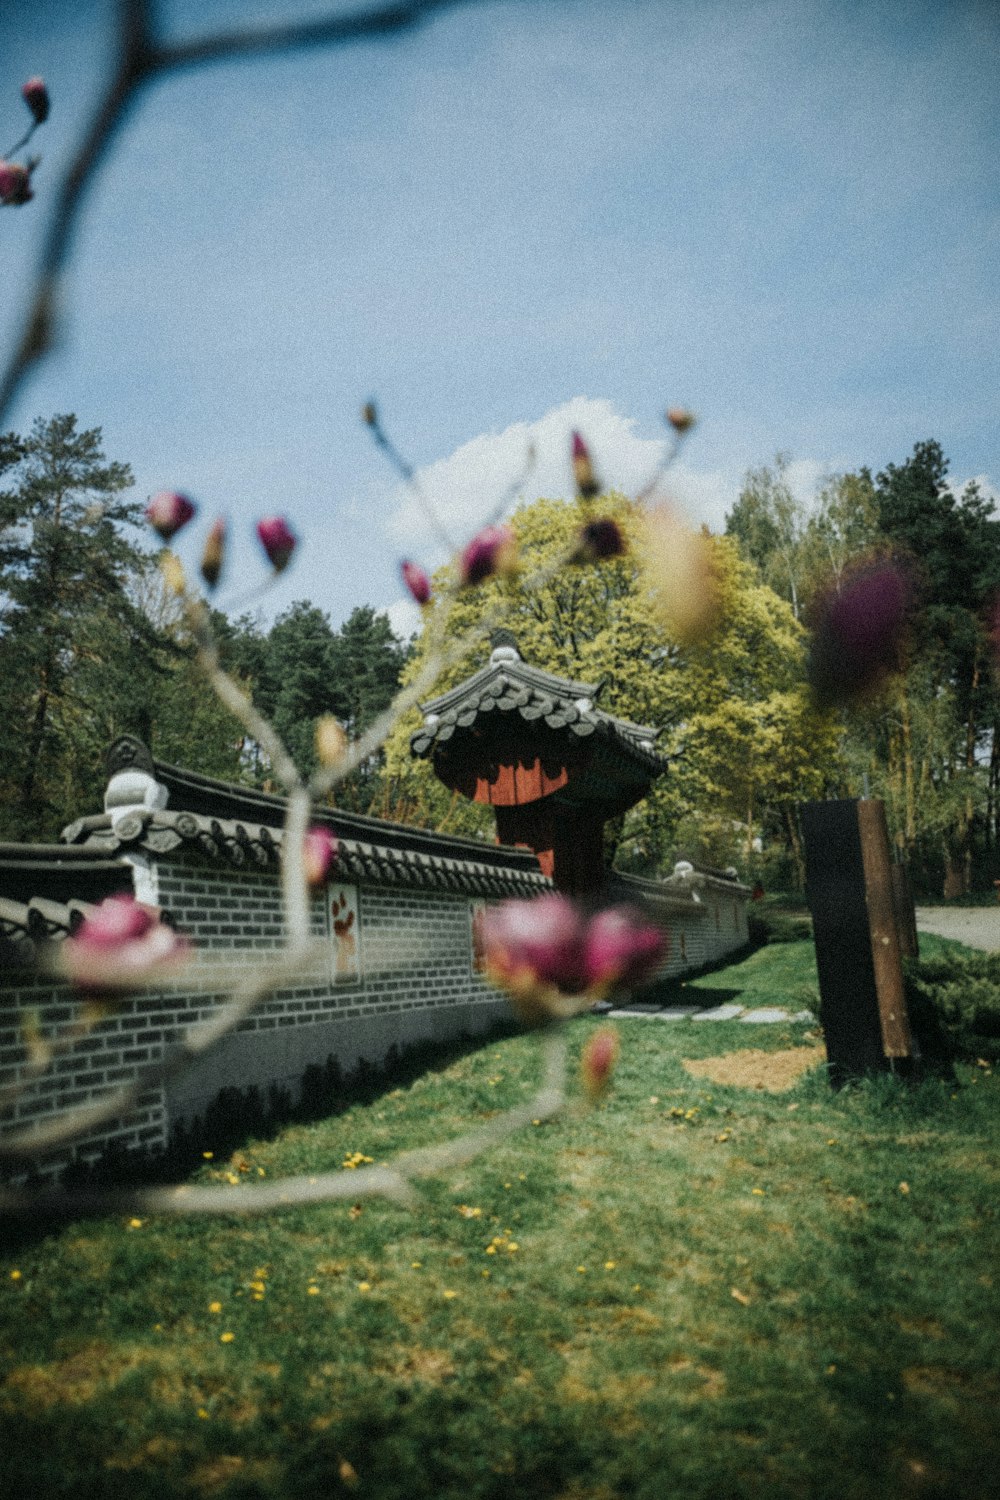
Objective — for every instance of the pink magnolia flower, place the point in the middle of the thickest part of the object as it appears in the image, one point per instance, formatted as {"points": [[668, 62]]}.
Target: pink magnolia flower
{"points": [[622, 949], [36, 97], [15, 184], [278, 541], [168, 511], [597, 540], [493, 550], [583, 469], [416, 581], [554, 961], [319, 851], [680, 419], [531, 949], [598, 1059], [121, 944], [860, 633]]}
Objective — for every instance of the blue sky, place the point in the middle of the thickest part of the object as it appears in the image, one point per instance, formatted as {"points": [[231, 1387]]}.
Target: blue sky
{"points": [[520, 218]]}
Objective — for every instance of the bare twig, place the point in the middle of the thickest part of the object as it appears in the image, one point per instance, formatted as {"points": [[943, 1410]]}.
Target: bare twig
{"points": [[143, 57]]}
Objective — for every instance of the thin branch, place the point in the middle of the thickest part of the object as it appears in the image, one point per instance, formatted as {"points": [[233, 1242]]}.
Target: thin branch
{"points": [[391, 1181], [37, 1139], [281, 36], [142, 58], [134, 68]]}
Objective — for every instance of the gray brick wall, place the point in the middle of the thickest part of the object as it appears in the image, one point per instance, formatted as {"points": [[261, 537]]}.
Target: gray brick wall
{"points": [[416, 982]]}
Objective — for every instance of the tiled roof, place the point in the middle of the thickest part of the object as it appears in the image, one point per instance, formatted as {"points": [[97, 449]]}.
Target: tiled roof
{"points": [[508, 685], [678, 889], [42, 889], [251, 836]]}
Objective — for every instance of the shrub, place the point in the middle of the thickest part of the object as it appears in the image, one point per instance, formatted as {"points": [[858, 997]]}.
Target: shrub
{"points": [[768, 924], [954, 1004]]}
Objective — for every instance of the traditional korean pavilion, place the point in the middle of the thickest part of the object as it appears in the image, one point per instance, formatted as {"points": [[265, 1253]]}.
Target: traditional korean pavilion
{"points": [[536, 748]]}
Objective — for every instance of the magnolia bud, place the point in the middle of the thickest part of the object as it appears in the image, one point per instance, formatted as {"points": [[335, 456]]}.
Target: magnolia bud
{"points": [[214, 554], [168, 511], [277, 540], [597, 540], [369, 414], [678, 567], [319, 850], [121, 944], [36, 97], [622, 949], [173, 572], [860, 633], [598, 1059], [681, 420], [493, 550], [416, 581], [331, 741], [15, 184], [583, 470]]}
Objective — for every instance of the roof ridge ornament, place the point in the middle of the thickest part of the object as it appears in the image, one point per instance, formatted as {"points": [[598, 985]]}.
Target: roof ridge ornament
{"points": [[505, 647], [132, 784]]}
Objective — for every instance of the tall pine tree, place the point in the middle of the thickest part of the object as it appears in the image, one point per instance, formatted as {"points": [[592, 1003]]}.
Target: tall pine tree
{"points": [[75, 650]]}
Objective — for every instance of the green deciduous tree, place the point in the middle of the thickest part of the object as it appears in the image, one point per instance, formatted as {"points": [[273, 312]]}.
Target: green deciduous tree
{"points": [[943, 755], [733, 710]]}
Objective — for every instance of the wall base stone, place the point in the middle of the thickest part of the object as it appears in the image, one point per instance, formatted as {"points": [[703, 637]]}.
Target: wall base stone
{"points": [[265, 1059]]}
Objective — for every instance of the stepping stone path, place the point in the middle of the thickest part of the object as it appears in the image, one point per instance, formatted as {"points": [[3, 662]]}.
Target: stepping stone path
{"points": [[764, 1015]]}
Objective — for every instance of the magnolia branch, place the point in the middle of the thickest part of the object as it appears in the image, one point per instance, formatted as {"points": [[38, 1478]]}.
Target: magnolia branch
{"points": [[393, 1181], [142, 57]]}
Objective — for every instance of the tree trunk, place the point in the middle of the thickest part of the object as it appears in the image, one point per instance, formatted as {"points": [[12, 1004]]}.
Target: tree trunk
{"points": [[909, 797], [795, 844], [36, 738]]}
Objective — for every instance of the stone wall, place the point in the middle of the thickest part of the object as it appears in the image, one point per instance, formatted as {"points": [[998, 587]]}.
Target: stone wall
{"points": [[395, 966]]}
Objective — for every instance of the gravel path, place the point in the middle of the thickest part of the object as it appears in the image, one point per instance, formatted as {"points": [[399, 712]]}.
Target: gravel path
{"points": [[977, 926]]}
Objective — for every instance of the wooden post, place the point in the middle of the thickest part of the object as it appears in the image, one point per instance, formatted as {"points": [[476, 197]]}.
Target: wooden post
{"points": [[882, 929], [850, 887]]}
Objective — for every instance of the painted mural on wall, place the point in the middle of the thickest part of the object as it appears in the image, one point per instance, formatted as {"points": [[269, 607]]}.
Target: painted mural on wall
{"points": [[345, 964]]}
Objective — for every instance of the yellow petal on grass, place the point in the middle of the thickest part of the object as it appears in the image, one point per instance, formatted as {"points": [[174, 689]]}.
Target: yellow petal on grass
{"points": [[449, 1294], [364, 1286], [738, 1296], [16, 1275], [215, 1307], [904, 1188], [226, 1338]]}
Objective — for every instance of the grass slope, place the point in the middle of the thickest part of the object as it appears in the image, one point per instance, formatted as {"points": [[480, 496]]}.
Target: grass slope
{"points": [[694, 1290]]}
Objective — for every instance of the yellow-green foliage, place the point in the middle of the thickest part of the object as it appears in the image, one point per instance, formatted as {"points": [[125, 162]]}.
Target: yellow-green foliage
{"points": [[735, 706]]}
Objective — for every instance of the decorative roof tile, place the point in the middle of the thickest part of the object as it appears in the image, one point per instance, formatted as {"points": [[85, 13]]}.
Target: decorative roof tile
{"points": [[509, 685]]}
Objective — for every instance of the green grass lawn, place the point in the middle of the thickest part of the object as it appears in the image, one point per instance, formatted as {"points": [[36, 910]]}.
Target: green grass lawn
{"points": [[693, 1290]]}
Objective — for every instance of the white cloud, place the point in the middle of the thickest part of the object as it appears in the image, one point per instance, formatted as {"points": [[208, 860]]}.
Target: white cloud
{"points": [[404, 616], [465, 488], [987, 488]]}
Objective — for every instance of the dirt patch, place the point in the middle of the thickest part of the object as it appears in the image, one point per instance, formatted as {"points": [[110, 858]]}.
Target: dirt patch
{"points": [[773, 1072], [418, 1365]]}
